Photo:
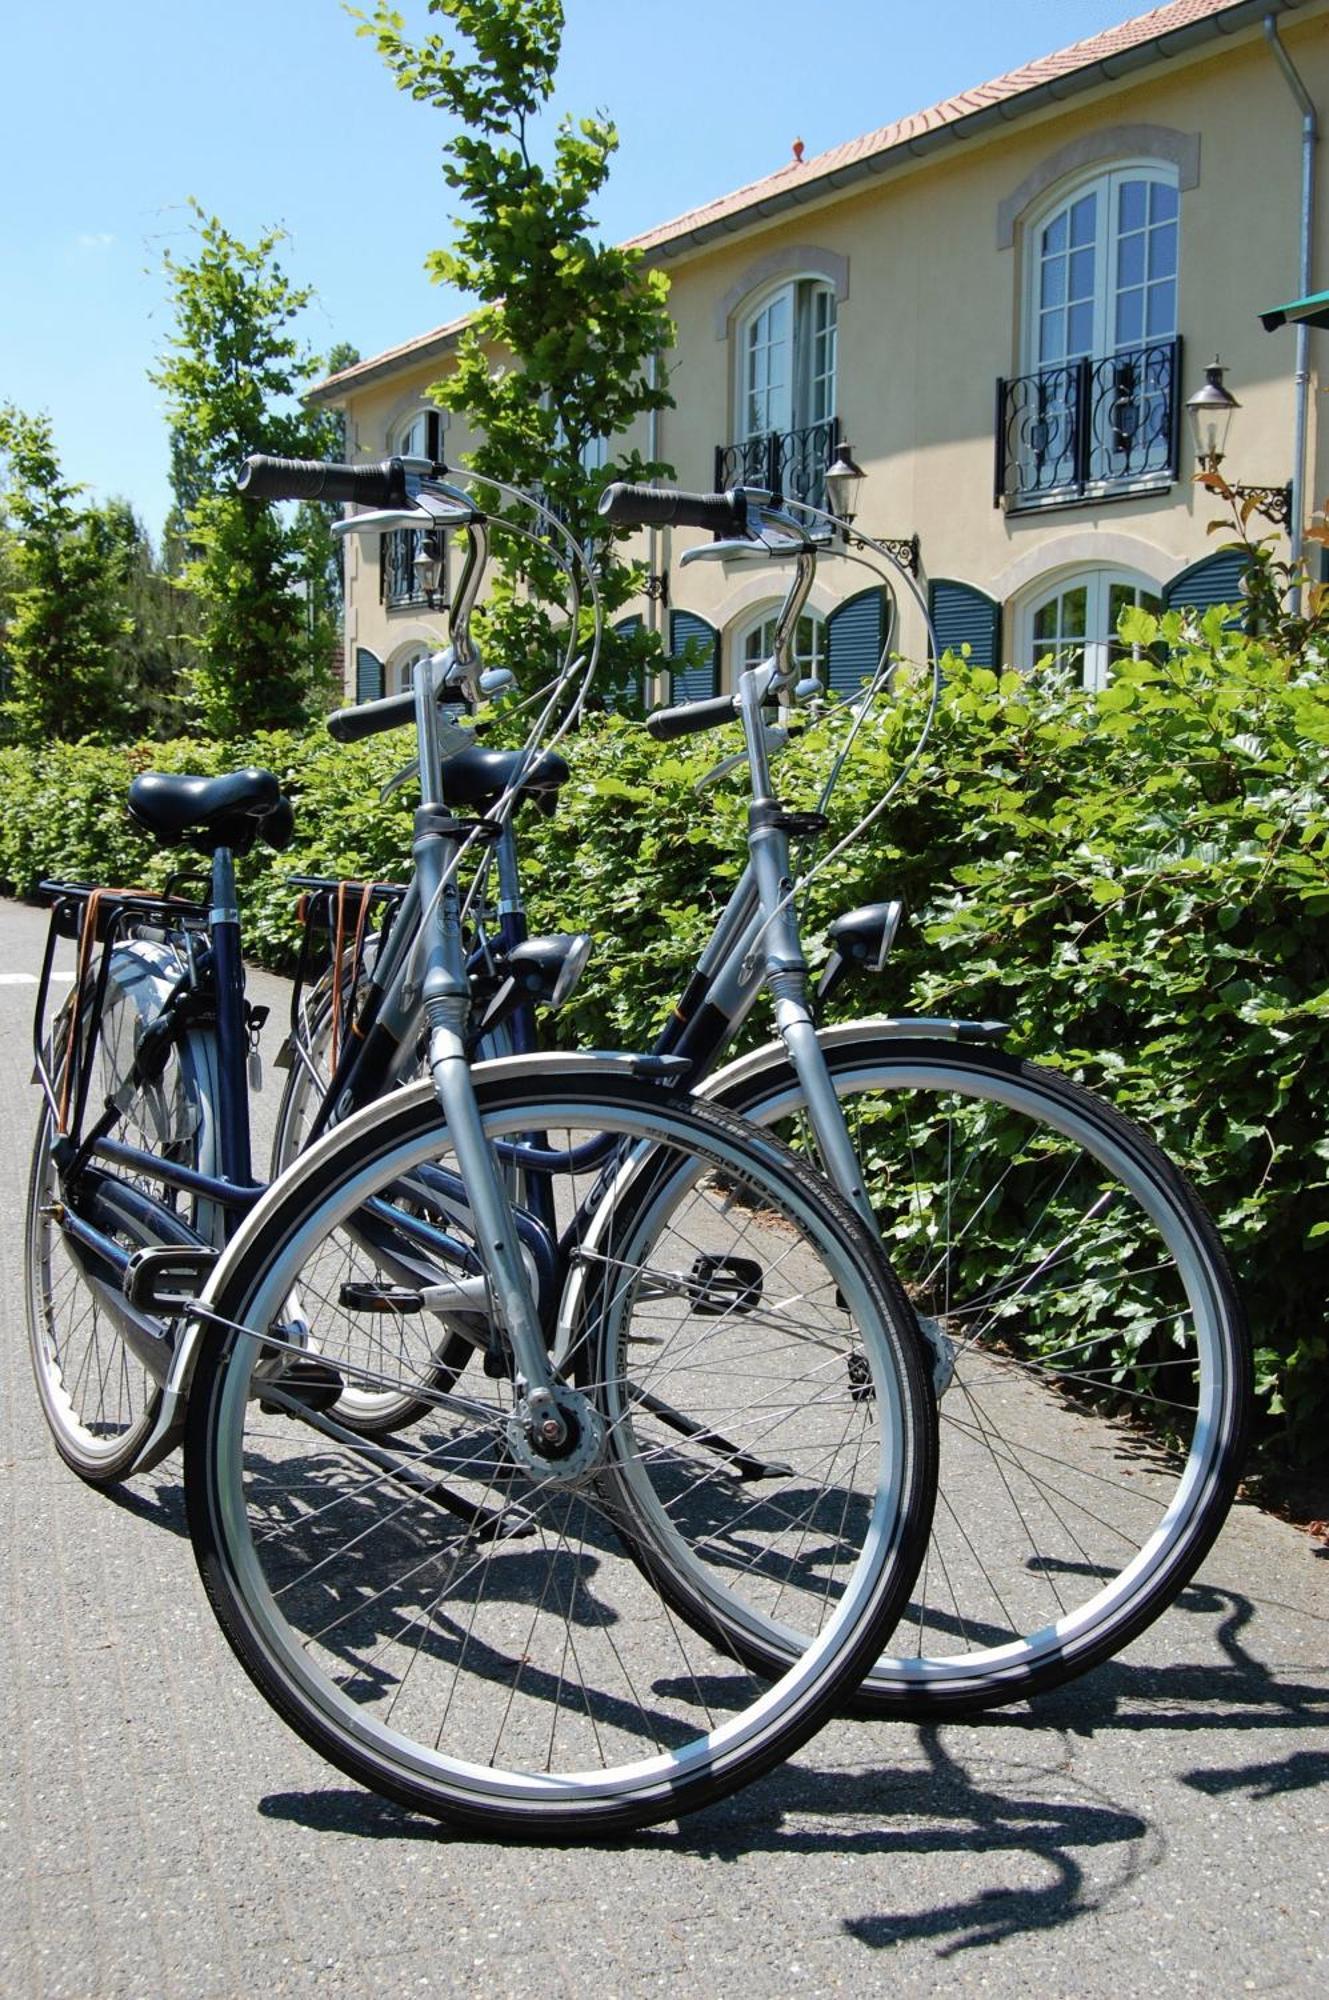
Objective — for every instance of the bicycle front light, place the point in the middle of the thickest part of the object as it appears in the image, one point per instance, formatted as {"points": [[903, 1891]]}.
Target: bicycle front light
{"points": [[860, 940]]}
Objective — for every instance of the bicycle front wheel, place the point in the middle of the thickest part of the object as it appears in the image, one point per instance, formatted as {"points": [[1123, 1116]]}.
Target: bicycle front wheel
{"points": [[560, 1647], [1096, 1363]]}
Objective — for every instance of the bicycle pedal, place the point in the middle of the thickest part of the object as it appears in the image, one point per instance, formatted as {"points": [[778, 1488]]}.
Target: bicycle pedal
{"points": [[312, 1383], [862, 1389], [167, 1280], [724, 1284], [359, 1296]]}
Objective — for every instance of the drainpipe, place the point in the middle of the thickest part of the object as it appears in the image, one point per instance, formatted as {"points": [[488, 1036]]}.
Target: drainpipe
{"points": [[653, 534], [1310, 132]]}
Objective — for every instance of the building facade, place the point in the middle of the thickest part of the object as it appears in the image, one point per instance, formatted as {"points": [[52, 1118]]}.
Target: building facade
{"points": [[1001, 305]]}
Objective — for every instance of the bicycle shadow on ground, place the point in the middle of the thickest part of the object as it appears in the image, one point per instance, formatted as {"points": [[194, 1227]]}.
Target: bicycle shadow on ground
{"points": [[1239, 1692], [1045, 1815], [160, 1503], [889, 1811]]}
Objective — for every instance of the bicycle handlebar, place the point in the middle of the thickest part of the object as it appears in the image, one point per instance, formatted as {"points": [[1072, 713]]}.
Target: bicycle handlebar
{"points": [[662, 507], [690, 718], [265, 478], [371, 718]]}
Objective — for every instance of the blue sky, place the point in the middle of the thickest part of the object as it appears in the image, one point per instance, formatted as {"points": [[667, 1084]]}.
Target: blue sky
{"points": [[273, 111]]}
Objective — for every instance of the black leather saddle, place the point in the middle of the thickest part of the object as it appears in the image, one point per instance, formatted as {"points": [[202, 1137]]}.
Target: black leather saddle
{"points": [[232, 811], [476, 778]]}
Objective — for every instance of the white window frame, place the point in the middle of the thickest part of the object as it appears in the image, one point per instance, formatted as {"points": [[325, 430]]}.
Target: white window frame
{"points": [[1098, 581], [1106, 183]]}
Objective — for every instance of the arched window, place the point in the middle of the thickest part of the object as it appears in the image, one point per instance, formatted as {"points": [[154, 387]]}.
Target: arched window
{"points": [[401, 665], [755, 637], [1095, 404], [418, 435], [1074, 623], [1102, 267], [785, 391]]}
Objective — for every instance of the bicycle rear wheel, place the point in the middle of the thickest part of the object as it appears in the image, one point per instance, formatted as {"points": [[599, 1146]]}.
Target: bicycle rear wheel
{"points": [[99, 1400], [1094, 1423], [478, 1633]]}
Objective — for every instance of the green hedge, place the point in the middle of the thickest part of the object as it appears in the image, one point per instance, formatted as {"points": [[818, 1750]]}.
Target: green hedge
{"points": [[1137, 880]]}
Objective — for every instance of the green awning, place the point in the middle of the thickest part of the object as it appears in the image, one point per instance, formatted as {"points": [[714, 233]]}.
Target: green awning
{"points": [[1312, 311]]}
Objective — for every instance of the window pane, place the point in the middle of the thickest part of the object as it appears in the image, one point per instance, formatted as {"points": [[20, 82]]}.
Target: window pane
{"points": [[1130, 260], [1162, 317], [1081, 284], [1054, 281], [1164, 202], [1050, 344], [1132, 208], [1162, 251], [1045, 624], [1080, 328], [1074, 605], [1130, 318], [1054, 236], [1121, 596], [1083, 216], [757, 645]]}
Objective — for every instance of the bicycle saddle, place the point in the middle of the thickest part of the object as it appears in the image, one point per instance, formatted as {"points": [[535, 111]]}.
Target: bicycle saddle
{"points": [[232, 811], [477, 778]]}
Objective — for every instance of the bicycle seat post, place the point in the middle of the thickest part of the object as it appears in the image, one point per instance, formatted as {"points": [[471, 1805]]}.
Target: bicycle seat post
{"points": [[232, 1040]]}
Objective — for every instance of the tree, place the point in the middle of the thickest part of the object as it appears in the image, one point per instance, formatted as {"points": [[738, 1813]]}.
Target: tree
{"points": [[233, 373], [155, 655], [67, 613], [585, 322]]}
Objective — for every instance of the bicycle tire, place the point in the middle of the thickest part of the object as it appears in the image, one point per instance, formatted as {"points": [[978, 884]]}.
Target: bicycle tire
{"points": [[99, 1401], [561, 1714], [1003, 1190]]}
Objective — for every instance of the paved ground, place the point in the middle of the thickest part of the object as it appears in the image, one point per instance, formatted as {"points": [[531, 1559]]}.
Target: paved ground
{"points": [[1162, 1826]]}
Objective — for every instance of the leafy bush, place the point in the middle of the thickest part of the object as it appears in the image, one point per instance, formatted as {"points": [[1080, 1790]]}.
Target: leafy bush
{"points": [[1137, 880]]}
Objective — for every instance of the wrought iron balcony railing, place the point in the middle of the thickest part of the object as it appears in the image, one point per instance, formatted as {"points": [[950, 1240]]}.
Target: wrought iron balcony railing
{"points": [[790, 464], [1090, 428]]}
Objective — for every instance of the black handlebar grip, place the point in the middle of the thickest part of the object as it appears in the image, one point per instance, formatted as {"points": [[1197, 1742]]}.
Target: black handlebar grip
{"points": [[264, 478], [662, 507], [371, 718], [690, 718]]}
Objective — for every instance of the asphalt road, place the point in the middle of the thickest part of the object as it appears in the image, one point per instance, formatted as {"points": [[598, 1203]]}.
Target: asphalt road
{"points": [[1163, 1826]]}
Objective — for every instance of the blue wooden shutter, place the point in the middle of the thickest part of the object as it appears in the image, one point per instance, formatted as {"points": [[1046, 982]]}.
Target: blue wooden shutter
{"points": [[964, 615], [855, 637], [1215, 579], [700, 682], [629, 695], [368, 675]]}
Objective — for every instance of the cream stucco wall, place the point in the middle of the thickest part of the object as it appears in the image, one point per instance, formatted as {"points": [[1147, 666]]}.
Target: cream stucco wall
{"points": [[928, 262]]}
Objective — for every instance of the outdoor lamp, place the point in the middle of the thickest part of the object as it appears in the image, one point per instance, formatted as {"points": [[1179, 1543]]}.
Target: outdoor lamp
{"points": [[844, 478], [427, 565], [1210, 411]]}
